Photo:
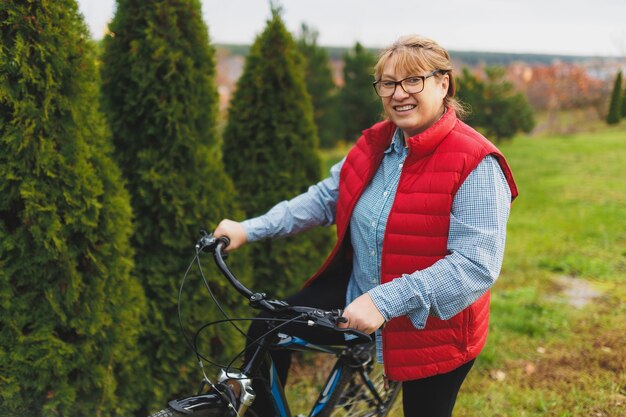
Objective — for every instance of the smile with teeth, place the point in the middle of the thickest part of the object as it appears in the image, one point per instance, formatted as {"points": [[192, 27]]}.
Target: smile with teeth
{"points": [[406, 107]]}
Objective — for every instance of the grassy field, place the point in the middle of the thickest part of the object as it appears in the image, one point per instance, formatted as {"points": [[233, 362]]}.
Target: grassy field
{"points": [[557, 343]]}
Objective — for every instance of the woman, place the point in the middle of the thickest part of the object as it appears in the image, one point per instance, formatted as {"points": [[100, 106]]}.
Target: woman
{"points": [[421, 204]]}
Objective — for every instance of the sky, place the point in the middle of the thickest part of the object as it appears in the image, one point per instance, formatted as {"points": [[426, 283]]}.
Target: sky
{"points": [[563, 27]]}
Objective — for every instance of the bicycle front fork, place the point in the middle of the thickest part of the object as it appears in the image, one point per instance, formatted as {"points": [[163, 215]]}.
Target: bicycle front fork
{"points": [[232, 395]]}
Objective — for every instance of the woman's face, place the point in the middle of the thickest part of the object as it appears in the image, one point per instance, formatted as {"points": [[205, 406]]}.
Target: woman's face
{"points": [[414, 113]]}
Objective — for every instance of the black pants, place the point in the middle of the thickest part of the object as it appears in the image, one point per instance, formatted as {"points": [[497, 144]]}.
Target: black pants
{"points": [[433, 396], [428, 397]]}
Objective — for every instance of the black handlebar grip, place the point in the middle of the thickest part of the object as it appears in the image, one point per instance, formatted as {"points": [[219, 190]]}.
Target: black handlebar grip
{"points": [[225, 240], [339, 316]]}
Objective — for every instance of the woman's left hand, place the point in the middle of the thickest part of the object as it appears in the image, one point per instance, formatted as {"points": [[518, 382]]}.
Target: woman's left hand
{"points": [[363, 315]]}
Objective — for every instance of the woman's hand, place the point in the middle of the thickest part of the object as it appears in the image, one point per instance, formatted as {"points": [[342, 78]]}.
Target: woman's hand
{"points": [[234, 231], [363, 315]]}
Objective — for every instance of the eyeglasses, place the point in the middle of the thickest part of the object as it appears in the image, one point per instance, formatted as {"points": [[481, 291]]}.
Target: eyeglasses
{"points": [[411, 85]]}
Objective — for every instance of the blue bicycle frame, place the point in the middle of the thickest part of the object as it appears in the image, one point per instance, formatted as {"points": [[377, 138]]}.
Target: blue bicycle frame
{"points": [[296, 343]]}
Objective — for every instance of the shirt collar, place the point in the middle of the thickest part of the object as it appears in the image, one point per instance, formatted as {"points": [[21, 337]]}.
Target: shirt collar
{"points": [[397, 143]]}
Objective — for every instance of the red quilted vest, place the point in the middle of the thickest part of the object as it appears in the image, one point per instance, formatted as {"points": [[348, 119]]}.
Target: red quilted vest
{"points": [[416, 236]]}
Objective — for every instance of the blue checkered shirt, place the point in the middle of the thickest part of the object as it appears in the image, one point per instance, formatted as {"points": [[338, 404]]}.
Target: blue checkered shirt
{"points": [[476, 239]]}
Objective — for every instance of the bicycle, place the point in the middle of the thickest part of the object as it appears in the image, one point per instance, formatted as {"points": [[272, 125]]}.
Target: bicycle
{"points": [[355, 387]]}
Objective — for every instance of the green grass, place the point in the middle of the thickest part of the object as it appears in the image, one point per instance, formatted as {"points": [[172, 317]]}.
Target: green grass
{"points": [[544, 356], [569, 218]]}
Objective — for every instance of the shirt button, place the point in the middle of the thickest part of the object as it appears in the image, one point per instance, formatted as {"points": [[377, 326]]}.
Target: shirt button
{"points": [[373, 223], [400, 166], [373, 253], [385, 194]]}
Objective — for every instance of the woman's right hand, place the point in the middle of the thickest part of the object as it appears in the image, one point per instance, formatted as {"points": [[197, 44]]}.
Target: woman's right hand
{"points": [[234, 231]]}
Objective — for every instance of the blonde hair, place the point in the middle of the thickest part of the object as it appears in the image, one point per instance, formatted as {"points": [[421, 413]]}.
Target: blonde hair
{"points": [[416, 54]]}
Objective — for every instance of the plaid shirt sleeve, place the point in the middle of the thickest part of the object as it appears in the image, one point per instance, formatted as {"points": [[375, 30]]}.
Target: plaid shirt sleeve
{"points": [[316, 207], [476, 241]]}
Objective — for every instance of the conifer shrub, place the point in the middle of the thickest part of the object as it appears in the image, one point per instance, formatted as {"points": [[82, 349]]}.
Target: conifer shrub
{"points": [[320, 86], [270, 151], [69, 309], [497, 109], [159, 92], [615, 106], [359, 105], [624, 102]]}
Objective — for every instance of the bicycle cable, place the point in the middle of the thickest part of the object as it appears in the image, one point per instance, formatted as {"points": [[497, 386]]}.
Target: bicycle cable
{"points": [[227, 319], [179, 301], [258, 339], [254, 342], [208, 287], [199, 357], [212, 323], [196, 259], [227, 368]]}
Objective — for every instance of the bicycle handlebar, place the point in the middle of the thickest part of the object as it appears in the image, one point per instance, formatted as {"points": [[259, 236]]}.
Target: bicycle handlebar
{"points": [[314, 316]]}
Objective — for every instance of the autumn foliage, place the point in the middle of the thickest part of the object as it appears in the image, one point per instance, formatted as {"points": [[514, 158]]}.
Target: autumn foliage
{"points": [[563, 86]]}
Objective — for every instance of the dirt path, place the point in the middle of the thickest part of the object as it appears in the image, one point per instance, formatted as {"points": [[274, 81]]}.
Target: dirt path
{"points": [[579, 292]]}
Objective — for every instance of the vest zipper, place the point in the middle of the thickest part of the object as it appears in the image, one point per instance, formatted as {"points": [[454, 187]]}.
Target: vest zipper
{"points": [[382, 338]]}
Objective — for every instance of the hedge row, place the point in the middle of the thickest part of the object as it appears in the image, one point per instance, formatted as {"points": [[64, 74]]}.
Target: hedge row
{"points": [[109, 167]]}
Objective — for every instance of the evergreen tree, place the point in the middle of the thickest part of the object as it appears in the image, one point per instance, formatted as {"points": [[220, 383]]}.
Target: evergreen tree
{"points": [[359, 105], [624, 102], [615, 106], [320, 85], [161, 100], [497, 108], [69, 309], [270, 151]]}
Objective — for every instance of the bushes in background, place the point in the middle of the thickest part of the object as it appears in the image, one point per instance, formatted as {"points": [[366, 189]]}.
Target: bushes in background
{"points": [[69, 308], [158, 75], [615, 106], [270, 151]]}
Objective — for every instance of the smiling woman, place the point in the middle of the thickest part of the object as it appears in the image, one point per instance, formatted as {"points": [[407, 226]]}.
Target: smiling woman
{"points": [[420, 205], [419, 103]]}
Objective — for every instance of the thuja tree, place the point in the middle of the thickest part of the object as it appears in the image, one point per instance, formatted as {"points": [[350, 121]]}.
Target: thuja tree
{"points": [[624, 102], [69, 309], [320, 85], [615, 106], [159, 92], [497, 108], [358, 104], [270, 150]]}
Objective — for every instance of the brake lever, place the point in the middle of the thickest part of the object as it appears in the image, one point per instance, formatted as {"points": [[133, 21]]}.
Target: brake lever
{"points": [[331, 320], [338, 316], [206, 242], [366, 337]]}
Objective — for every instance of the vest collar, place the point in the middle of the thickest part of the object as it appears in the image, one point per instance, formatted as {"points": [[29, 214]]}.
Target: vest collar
{"points": [[379, 136]]}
